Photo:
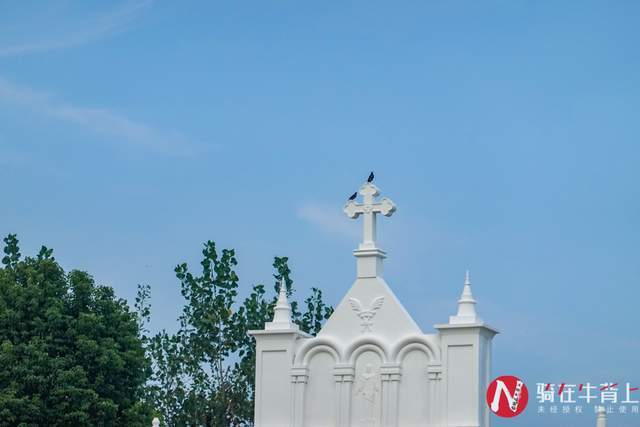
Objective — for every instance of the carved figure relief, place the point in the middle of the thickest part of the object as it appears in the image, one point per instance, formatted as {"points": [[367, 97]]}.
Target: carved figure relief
{"points": [[366, 315], [367, 388]]}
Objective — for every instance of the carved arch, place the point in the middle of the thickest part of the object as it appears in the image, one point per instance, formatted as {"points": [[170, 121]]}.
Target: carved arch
{"points": [[425, 343], [315, 345], [363, 344]]}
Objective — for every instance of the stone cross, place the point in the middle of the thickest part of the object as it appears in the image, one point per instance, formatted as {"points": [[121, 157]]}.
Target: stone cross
{"points": [[369, 208]]}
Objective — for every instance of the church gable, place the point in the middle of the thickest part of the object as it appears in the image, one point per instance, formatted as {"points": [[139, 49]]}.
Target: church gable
{"points": [[370, 364], [369, 308]]}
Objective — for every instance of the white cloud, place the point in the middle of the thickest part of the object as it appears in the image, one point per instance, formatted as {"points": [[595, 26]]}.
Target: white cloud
{"points": [[89, 31], [98, 120], [330, 219]]}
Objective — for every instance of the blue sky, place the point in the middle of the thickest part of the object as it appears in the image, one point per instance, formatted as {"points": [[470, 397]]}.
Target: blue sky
{"points": [[506, 132]]}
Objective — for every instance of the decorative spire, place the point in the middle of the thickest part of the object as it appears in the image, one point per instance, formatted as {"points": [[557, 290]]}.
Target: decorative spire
{"points": [[368, 254], [466, 305], [282, 311], [601, 420]]}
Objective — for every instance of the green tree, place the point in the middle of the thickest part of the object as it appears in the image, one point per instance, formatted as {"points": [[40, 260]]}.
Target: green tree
{"points": [[204, 373], [71, 352]]}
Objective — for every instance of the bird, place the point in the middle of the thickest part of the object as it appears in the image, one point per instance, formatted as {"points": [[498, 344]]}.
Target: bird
{"points": [[353, 196], [370, 179]]}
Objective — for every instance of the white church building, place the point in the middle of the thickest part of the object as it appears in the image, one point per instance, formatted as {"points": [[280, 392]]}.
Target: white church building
{"points": [[371, 364]]}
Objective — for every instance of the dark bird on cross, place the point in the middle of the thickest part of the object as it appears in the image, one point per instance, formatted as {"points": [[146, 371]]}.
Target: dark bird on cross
{"points": [[353, 196], [370, 179]]}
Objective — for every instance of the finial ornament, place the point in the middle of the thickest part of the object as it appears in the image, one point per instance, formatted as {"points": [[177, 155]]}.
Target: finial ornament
{"points": [[601, 420], [368, 209], [282, 311], [466, 305]]}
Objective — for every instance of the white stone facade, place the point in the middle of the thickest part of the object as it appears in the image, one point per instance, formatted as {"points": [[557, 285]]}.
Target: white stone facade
{"points": [[371, 365]]}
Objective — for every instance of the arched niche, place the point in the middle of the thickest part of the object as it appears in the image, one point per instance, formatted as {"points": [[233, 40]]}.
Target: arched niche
{"points": [[319, 405], [413, 392]]}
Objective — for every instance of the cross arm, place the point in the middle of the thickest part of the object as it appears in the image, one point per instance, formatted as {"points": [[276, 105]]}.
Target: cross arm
{"points": [[352, 209], [386, 207]]}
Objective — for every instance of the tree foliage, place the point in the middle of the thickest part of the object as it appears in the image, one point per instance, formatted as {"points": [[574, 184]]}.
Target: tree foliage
{"points": [[71, 352], [203, 375]]}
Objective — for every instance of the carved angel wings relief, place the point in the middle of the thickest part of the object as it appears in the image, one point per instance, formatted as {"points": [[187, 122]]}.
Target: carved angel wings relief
{"points": [[366, 314]]}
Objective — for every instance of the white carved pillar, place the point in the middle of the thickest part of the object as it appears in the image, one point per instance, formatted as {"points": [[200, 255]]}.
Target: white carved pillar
{"points": [[275, 350], [384, 401], [299, 379], [390, 375], [344, 376], [466, 350], [434, 374], [347, 389], [338, 399]]}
